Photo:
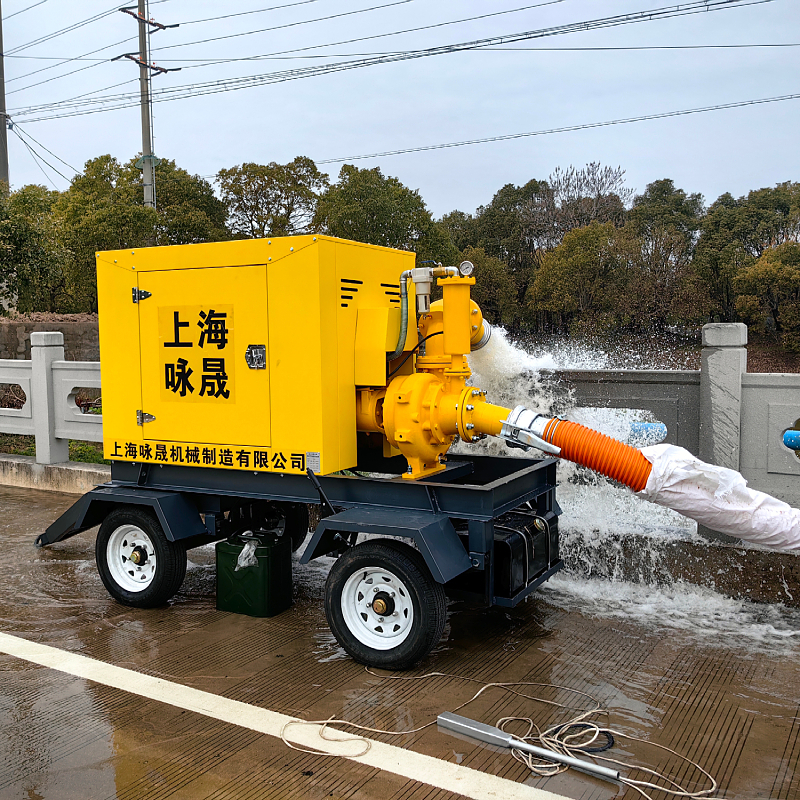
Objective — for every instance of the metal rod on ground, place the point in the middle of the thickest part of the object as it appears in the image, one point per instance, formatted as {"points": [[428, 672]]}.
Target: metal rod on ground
{"points": [[148, 169], [3, 116], [491, 735]]}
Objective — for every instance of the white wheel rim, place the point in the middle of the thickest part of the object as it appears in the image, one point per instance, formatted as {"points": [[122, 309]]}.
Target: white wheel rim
{"points": [[378, 631], [128, 575]]}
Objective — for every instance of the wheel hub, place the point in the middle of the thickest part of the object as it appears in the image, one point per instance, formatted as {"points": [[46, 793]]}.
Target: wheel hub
{"points": [[377, 608], [131, 558], [383, 604]]}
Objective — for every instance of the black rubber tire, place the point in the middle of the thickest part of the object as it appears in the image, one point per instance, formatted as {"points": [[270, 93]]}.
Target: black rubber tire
{"points": [[170, 559], [427, 597], [295, 517]]}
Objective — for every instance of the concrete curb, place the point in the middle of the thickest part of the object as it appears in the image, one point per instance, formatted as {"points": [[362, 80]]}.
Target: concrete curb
{"points": [[72, 477]]}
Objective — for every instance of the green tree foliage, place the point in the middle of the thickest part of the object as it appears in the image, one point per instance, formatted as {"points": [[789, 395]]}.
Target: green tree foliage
{"points": [[100, 212], [735, 233], [502, 227], [494, 290], [577, 198], [663, 207], [462, 229], [768, 293], [578, 283], [366, 206], [272, 199], [660, 236], [188, 210], [104, 210], [32, 256], [577, 251]]}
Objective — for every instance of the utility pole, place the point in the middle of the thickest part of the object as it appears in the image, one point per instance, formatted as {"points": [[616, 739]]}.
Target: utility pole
{"points": [[148, 169], [3, 115], [148, 162]]}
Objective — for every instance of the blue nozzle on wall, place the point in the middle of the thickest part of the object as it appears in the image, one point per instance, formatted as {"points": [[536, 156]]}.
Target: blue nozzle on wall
{"points": [[647, 433], [792, 440]]}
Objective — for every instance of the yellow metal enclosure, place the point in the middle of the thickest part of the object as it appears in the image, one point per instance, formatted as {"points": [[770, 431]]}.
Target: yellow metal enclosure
{"points": [[245, 354]]}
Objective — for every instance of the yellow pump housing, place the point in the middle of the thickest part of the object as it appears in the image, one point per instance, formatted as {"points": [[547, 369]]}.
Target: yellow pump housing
{"points": [[271, 354], [245, 354]]}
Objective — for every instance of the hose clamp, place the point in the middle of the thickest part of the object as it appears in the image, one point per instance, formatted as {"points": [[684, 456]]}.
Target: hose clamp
{"points": [[525, 429]]}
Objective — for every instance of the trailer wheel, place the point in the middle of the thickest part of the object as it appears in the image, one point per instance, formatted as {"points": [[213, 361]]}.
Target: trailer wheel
{"points": [[383, 606], [137, 563]]}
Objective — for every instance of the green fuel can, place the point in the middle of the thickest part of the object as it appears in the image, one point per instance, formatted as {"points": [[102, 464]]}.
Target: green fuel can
{"points": [[261, 590]]}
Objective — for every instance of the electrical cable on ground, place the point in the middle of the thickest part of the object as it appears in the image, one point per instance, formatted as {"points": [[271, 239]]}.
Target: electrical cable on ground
{"points": [[578, 736]]}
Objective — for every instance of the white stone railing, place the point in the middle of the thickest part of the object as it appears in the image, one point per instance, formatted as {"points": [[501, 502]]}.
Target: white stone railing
{"points": [[50, 413]]}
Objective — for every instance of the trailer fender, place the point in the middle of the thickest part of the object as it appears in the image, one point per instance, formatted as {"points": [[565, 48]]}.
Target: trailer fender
{"points": [[433, 534], [178, 516]]}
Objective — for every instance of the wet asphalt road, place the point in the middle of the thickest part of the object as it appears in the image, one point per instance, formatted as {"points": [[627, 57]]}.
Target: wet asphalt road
{"points": [[732, 708]]}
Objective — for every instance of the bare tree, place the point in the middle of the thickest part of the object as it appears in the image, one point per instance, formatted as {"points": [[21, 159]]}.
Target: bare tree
{"points": [[574, 198]]}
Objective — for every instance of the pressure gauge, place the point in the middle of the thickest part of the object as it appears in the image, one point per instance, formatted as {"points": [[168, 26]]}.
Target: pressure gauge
{"points": [[465, 268]]}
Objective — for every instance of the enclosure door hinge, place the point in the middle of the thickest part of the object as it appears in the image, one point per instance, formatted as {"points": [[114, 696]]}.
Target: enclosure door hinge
{"points": [[140, 294], [142, 417]]}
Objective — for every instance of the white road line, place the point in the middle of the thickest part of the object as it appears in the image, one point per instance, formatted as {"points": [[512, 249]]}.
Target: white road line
{"points": [[396, 760]]}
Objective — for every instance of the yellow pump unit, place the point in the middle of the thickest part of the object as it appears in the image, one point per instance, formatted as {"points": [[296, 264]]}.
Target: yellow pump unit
{"points": [[272, 355]]}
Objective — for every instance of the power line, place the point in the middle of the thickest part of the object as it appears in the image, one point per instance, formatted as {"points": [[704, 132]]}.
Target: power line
{"points": [[565, 129], [50, 80], [685, 9], [74, 26], [22, 11], [104, 14], [113, 102], [545, 132], [365, 38], [36, 141], [69, 60], [37, 159], [245, 13], [481, 50], [295, 24]]}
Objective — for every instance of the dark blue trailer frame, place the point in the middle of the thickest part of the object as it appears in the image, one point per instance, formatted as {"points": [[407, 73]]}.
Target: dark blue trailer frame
{"points": [[472, 492]]}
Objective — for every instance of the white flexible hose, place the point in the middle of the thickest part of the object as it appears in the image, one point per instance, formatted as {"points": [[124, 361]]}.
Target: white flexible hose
{"points": [[719, 498]]}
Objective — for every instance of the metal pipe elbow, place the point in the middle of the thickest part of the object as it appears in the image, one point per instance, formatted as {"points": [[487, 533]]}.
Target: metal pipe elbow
{"points": [[481, 338]]}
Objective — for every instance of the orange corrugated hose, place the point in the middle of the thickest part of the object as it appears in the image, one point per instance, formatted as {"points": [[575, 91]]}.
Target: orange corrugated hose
{"points": [[599, 452]]}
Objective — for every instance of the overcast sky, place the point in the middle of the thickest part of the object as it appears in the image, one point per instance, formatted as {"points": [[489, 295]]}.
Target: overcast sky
{"points": [[425, 101]]}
